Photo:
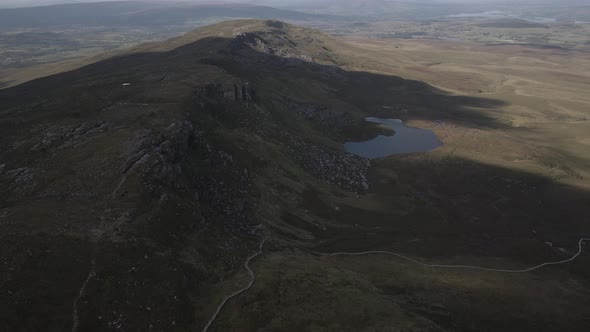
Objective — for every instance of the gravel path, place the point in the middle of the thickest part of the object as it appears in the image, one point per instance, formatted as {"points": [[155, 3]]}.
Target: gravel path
{"points": [[239, 291], [443, 266], [81, 293]]}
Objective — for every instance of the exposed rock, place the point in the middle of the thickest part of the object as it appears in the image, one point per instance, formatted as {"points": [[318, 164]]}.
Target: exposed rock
{"points": [[320, 114], [177, 139], [165, 157], [218, 182], [306, 58], [20, 179], [226, 191], [241, 93], [339, 168], [276, 24], [65, 137], [137, 150], [365, 186], [267, 51], [273, 43]]}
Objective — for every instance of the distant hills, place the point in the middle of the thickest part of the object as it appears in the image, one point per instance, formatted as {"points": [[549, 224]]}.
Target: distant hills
{"points": [[132, 13], [567, 11], [153, 13]]}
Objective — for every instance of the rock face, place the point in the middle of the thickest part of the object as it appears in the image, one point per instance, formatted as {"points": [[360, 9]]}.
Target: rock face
{"points": [[19, 180], [170, 153], [345, 170], [181, 161], [322, 115], [65, 137], [227, 192], [241, 93], [271, 43]]}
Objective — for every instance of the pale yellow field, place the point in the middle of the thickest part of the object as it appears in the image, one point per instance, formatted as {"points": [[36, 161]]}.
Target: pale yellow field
{"points": [[546, 94]]}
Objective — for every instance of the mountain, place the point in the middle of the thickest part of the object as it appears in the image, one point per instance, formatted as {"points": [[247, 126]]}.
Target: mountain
{"points": [[133, 190], [136, 13]]}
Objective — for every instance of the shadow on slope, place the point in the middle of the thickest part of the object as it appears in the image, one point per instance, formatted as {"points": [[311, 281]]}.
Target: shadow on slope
{"points": [[449, 206], [459, 212], [290, 76], [372, 94]]}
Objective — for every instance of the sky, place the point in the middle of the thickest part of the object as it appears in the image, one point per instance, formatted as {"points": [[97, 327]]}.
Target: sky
{"points": [[276, 2], [26, 3]]}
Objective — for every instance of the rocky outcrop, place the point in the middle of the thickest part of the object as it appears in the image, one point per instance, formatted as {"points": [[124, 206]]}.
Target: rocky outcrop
{"points": [[226, 192], [270, 43], [19, 180], [241, 93], [181, 162], [345, 170], [159, 157], [176, 141], [67, 137], [322, 115], [170, 152]]}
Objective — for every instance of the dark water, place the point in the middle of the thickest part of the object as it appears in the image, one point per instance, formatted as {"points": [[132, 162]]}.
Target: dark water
{"points": [[405, 140]]}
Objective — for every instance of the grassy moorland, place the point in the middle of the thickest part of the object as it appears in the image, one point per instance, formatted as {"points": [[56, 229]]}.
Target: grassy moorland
{"points": [[485, 31]]}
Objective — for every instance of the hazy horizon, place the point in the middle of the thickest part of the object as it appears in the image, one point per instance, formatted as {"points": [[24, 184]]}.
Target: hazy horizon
{"points": [[278, 3]]}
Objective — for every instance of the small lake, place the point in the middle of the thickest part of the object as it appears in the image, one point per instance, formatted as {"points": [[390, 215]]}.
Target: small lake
{"points": [[405, 140]]}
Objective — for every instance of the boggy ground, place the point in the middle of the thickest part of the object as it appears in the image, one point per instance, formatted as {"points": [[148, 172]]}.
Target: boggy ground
{"points": [[156, 192]]}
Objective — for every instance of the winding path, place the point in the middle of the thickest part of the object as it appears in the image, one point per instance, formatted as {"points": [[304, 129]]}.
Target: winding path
{"points": [[465, 266], [239, 291], [81, 293], [259, 252]]}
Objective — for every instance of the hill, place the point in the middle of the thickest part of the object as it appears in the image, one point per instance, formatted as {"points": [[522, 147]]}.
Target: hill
{"points": [[134, 13], [39, 41], [134, 188]]}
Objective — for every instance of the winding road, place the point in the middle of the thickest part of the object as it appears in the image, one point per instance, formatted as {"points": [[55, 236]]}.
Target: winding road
{"points": [[580, 243], [239, 291]]}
